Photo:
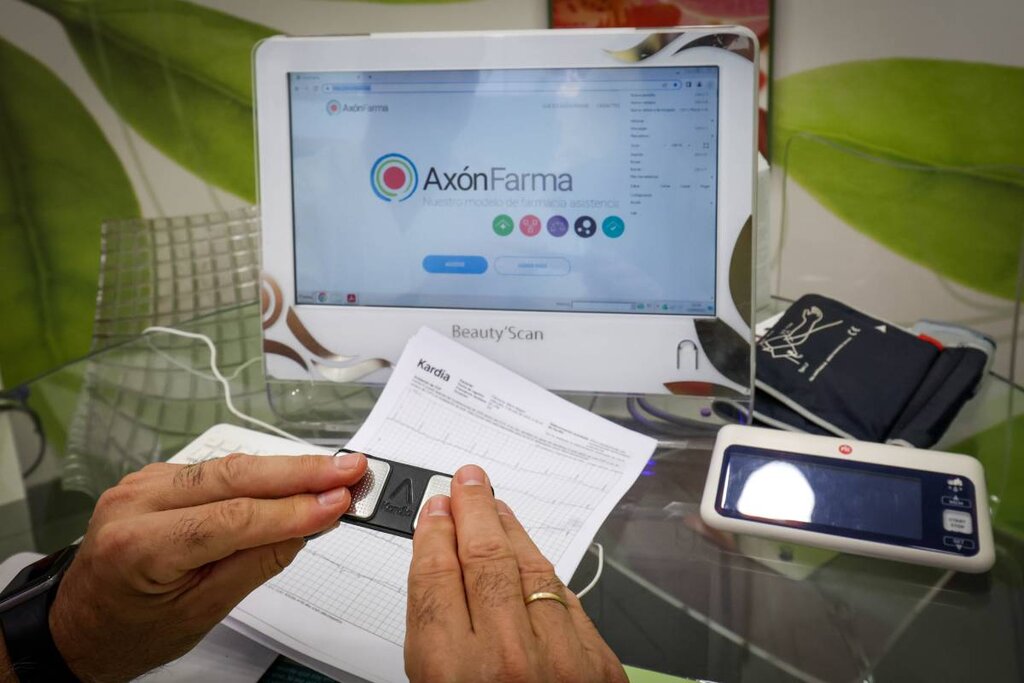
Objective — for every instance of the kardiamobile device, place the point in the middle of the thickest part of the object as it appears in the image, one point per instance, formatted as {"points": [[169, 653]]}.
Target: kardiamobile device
{"points": [[391, 495], [905, 504], [575, 205]]}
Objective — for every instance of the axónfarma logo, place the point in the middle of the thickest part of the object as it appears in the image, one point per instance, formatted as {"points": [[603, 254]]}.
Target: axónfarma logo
{"points": [[394, 177]]}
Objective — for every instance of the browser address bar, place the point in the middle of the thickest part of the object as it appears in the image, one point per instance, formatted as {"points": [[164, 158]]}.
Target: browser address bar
{"points": [[564, 87]]}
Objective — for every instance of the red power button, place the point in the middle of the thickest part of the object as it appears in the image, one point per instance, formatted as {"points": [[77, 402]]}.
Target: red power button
{"points": [[846, 449]]}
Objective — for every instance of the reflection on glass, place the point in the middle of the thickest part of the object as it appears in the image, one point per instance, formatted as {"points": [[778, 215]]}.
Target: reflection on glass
{"points": [[777, 490], [851, 496]]}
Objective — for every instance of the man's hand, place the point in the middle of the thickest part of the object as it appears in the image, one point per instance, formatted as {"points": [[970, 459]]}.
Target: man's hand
{"points": [[473, 565], [171, 549]]}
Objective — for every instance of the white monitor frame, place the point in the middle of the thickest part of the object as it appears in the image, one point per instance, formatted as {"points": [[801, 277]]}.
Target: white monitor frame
{"points": [[580, 351]]}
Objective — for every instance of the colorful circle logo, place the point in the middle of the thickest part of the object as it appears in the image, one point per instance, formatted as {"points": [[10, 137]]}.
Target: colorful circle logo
{"points": [[333, 107], [585, 226], [529, 225], [558, 226], [613, 227], [503, 225], [394, 177]]}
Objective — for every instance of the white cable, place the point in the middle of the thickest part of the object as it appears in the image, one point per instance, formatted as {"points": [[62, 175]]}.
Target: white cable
{"points": [[198, 373], [269, 427], [224, 383], [597, 575]]}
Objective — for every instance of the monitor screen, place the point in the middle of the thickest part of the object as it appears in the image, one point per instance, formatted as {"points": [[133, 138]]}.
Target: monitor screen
{"points": [[589, 190], [850, 497]]}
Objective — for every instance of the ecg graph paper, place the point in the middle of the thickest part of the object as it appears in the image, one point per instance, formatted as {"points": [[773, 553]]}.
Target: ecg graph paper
{"points": [[359, 576]]}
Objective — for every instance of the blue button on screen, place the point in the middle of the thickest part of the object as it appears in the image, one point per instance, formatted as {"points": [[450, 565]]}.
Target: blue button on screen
{"points": [[460, 265]]}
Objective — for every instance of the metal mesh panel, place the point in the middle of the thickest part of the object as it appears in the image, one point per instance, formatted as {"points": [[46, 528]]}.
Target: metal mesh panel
{"points": [[169, 270], [146, 397]]}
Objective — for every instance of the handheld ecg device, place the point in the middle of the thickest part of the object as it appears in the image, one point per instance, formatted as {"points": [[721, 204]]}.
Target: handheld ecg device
{"points": [[925, 507], [391, 495], [575, 205]]}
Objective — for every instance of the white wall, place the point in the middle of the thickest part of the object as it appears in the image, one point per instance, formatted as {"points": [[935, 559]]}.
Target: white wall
{"points": [[820, 252], [162, 186]]}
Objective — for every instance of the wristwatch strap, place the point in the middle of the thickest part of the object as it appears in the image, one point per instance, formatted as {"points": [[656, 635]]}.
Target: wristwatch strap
{"points": [[29, 643]]}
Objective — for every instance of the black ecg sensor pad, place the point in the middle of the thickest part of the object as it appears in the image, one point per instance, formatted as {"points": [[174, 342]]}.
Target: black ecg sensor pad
{"points": [[391, 494]]}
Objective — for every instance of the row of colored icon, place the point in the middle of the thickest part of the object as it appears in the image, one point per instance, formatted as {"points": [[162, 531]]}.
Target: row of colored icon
{"points": [[557, 226], [323, 297]]}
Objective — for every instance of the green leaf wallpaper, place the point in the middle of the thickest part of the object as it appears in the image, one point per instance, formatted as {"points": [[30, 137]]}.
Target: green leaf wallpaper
{"points": [[924, 156], [59, 179], [1004, 473], [178, 73]]}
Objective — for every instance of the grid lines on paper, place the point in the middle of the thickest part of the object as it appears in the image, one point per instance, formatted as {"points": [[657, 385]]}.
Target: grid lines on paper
{"points": [[353, 575], [358, 576], [554, 493]]}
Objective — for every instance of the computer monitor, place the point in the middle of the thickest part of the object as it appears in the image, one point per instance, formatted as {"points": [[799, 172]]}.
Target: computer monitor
{"points": [[568, 203]]}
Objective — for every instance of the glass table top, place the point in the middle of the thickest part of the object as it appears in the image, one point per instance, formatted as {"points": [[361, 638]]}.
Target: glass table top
{"points": [[674, 596]]}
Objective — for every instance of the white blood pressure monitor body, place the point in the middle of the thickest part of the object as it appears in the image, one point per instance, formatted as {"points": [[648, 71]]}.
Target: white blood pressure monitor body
{"points": [[906, 504], [566, 202]]}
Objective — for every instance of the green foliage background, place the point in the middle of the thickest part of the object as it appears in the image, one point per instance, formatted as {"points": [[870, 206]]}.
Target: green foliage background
{"points": [[924, 156], [59, 179]]}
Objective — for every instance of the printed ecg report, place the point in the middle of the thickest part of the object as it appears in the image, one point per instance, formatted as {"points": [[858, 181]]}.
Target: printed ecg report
{"points": [[559, 467]]}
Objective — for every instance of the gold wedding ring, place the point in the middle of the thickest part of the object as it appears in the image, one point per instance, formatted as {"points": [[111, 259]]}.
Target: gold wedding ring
{"points": [[547, 596]]}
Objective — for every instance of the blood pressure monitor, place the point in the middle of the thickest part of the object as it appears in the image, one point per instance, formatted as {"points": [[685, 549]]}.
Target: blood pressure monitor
{"points": [[906, 504]]}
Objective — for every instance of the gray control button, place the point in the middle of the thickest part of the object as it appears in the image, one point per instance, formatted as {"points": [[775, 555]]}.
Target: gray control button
{"points": [[958, 543], [957, 522], [956, 502], [438, 484], [367, 491]]}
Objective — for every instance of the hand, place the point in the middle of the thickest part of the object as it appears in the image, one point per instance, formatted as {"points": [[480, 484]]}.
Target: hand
{"points": [[473, 565], [172, 549]]}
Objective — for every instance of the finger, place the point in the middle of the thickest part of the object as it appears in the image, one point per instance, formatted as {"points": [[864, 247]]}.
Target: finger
{"points": [[176, 541], [150, 471], [237, 575], [437, 614], [133, 494], [250, 476], [490, 574], [550, 618]]}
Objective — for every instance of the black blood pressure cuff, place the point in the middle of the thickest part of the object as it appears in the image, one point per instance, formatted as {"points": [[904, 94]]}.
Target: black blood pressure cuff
{"points": [[772, 412], [950, 382], [826, 368]]}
